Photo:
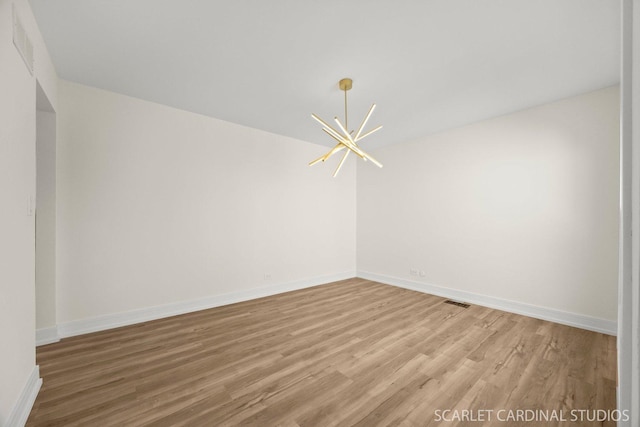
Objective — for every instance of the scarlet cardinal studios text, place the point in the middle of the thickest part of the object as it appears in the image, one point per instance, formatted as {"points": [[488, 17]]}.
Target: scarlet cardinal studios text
{"points": [[529, 415]]}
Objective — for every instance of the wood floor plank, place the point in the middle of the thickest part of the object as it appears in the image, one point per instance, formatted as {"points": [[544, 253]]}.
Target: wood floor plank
{"points": [[353, 352]]}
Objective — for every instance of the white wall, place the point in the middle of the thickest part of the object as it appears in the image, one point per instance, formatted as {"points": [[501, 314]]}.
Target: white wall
{"points": [[158, 205], [17, 184], [522, 207], [45, 219]]}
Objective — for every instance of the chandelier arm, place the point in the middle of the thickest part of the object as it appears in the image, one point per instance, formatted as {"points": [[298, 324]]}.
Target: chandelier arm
{"points": [[364, 122], [327, 125], [335, 135], [333, 151], [341, 140], [374, 161], [338, 147], [318, 160], [368, 133], [341, 163]]}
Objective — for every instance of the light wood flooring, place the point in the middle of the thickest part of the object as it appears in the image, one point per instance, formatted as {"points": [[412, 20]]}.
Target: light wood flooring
{"points": [[353, 352]]}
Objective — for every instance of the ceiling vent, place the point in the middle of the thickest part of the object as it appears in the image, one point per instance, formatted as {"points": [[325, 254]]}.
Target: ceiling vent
{"points": [[21, 41]]}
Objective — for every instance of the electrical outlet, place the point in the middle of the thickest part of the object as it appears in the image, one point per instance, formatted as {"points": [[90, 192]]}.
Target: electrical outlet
{"points": [[422, 273], [267, 276], [413, 272]]}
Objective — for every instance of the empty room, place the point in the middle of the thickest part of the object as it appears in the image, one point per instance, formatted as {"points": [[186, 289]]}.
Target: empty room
{"points": [[336, 213]]}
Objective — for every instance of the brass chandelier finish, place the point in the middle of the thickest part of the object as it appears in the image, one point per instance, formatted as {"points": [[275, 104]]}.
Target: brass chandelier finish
{"points": [[343, 136]]}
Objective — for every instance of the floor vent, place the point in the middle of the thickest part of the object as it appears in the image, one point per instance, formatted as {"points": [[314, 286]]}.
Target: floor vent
{"points": [[459, 304]]}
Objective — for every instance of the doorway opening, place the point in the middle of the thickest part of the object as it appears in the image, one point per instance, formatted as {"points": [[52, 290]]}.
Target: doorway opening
{"points": [[45, 241]]}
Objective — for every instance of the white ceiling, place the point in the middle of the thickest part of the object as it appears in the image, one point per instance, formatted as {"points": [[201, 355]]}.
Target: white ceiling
{"points": [[428, 64]]}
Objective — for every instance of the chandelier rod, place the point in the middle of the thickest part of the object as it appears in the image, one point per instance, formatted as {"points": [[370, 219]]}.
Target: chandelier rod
{"points": [[346, 84], [346, 120]]}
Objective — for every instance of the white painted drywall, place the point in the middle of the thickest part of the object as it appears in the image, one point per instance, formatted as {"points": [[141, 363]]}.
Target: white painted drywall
{"points": [[523, 207], [17, 185], [45, 219], [158, 205]]}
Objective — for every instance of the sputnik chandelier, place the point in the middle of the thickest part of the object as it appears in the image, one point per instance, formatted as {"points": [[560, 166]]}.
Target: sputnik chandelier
{"points": [[344, 137]]}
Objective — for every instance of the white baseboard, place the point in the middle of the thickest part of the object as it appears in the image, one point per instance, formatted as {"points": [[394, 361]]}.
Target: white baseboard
{"points": [[47, 336], [566, 318], [109, 321], [22, 408]]}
